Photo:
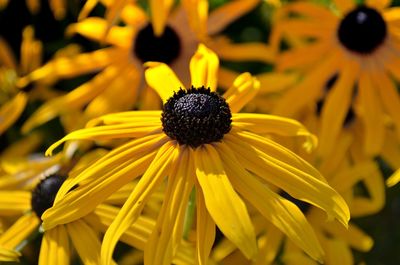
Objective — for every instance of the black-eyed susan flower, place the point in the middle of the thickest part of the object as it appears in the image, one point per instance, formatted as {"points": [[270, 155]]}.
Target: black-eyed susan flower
{"points": [[354, 47], [199, 142], [141, 39]]}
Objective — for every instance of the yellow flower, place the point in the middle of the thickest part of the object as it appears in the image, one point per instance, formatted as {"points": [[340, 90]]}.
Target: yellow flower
{"points": [[201, 142], [83, 233], [120, 64], [348, 55]]}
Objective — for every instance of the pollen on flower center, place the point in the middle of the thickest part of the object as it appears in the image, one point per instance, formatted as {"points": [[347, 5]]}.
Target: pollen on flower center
{"points": [[149, 47], [44, 194], [196, 116], [362, 30]]}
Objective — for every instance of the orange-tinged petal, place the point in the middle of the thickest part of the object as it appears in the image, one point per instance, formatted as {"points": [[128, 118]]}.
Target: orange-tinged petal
{"points": [[11, 111], [159, 14]]}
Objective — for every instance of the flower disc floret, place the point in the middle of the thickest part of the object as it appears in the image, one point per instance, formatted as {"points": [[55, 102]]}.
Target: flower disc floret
{"points": [[44, 194], [362, 30], [196, 116]]}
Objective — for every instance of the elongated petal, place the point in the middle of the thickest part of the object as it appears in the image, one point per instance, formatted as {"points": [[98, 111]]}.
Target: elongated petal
{"points": [[19, 231], [393, 179], [8, 255], [159, 14], [86, 9], [336, 106], [243, 90], [55, 247], [11, 111], [6, 55], [102, 179], [14, 202], [204, 68], [167, 235], [298, 184], [263, 124], [125, 117], [95, 28], [284, 214], [251, 51], [85, 241], [205, 228], [372, 114], [131, 210], [227, 13], [276, 82], [197, 13], [67, 67], [162, 79], [223, 203], [344, 6]]}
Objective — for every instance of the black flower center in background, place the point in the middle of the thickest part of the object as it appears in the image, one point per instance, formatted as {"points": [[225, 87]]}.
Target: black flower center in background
{"points": [[362, 30], [45, 192], [149, 47], [196, 116]]}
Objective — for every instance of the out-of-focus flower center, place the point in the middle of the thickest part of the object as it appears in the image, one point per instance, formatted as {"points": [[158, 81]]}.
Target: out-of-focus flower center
{"points": [[196, 116], [149, 47], [362, 30], [44, 194]]}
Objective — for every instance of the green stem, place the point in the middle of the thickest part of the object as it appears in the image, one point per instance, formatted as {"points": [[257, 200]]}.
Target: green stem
{"points": [[189, 216]]}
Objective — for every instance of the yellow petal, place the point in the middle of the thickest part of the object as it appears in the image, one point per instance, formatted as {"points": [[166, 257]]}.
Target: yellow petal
{"points": [[243, 90], [284, 214], [204, 68], [223, 204], [8, 255], [378, 4], [162, 79], [372, 115], [6, 55], [344, 6], [205, 229], [131, 210], [55, 247], [159, 14], [11, 111], [19, 231], [276, 82], [31, 51], [226, 50], [104, 177], [393, 179], [265, 124], [227, 13], [14, 202], [58, 7], [297, 183], [94, 28], [113, 12], [86, 9], [167, 235], [197, 12], [336, 106], [338, 252], [85, 241]]}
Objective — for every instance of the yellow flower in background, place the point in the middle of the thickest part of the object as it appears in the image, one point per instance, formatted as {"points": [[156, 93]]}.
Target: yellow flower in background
{"points": [[199, 142], [120, 64], [355, 48], [347, 169]]}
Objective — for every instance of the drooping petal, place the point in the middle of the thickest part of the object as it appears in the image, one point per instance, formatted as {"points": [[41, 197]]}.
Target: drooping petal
{"points": [[224, 205], [284, 214], [336, 106], [85, 241], [167, 235], [14, 202], [297, 183], [11, 111], [205, 229], [100, 180], [162, 79], [132, 208], [55, 247], [19, 231], [204, 68]]}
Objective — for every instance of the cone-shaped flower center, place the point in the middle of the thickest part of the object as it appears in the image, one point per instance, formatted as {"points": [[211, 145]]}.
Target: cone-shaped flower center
{"points": [[44, 194], [362, 30], [196, 116], [164, 48]]}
